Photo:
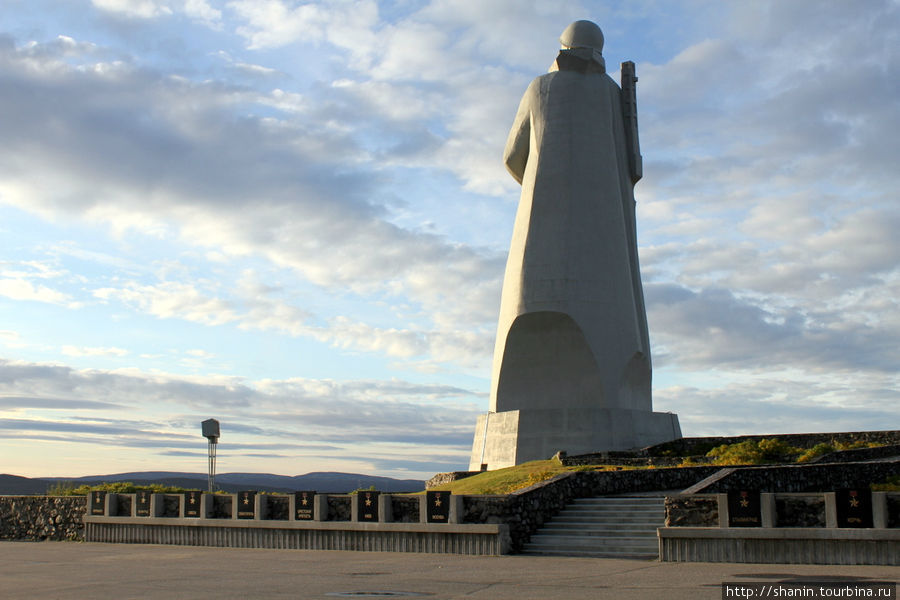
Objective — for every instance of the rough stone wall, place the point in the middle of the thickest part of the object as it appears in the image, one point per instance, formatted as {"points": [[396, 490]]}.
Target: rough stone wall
{"points": [[860, 454], [690, 446], [804, 478], [42, 517], [338, 508], [279, 508], [123, 506], [221, 506], [692, 511], [800, 511], [171, 505], [607, 459], [893, 510], [442, 478], [405, 509]]}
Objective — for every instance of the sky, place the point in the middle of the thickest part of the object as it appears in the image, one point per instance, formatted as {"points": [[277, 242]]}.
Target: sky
{"points": [[292, 216]]}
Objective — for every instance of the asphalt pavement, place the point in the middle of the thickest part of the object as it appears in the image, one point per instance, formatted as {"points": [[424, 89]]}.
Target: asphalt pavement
{"points": [[38, 570]]}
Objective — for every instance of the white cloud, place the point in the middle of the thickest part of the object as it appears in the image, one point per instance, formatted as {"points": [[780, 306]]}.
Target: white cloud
{"points": [[198, 10], [144, 9], [271, 23], [22, 289], [98, 351]]}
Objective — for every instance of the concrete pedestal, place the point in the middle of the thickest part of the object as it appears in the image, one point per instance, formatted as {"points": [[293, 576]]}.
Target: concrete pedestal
{"points": [[508, 438]]}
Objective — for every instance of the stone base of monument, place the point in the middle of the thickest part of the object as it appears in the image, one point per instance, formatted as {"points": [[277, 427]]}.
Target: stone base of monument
{"points": [[504, 439]]}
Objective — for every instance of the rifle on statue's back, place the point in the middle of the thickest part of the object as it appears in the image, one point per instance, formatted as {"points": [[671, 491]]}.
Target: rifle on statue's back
{"points": [[629, 112]]}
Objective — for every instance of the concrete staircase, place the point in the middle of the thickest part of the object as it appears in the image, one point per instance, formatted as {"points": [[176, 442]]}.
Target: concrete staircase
{"points": [[604, 527]]}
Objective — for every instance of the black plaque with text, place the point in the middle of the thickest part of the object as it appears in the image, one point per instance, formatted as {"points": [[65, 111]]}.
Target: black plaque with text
{"points": [[367, 509], [854, 507], [98, 503], [246, 508], [304, 506], [744, 509], [438, 504], [142, 504], [192, 504]]}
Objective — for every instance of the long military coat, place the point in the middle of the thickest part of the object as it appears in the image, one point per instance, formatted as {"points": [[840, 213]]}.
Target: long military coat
{"points": [[572, 327]]}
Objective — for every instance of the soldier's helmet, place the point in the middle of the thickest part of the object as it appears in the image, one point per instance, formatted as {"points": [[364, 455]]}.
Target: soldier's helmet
{"points": [[582, 34]]}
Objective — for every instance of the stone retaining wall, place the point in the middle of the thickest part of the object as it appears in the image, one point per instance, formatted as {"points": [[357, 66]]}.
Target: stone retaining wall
{"points": [[802, 478], [701, 445], [859, 454], [42, 517]]}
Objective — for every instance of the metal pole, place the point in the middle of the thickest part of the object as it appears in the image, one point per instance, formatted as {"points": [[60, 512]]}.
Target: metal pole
{"points": [[212, 465]]}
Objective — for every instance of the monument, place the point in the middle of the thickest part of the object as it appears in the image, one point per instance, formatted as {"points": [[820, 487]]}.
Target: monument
{"points": [[571, 368]]}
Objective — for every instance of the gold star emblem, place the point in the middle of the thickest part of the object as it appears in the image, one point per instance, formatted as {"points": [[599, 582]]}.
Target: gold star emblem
{"points": [[246, 500], [745, 503], [368, 502], [193, 500], [304, 501], [854, 502], [437, 501]]}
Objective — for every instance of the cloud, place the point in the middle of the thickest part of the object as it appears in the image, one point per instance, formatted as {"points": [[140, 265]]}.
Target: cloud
{"points": [[84, 351], [27, 402], [22, 289], [151, 161], [199, 10], [323, 413], [713, 328], [782, 402]]}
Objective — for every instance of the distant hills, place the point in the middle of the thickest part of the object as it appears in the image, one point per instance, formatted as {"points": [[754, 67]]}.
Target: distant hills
{"points": [[328, 482]]}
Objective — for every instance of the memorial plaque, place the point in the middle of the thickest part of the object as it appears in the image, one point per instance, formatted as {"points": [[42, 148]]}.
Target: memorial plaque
{"points": [[142, 504], [98, 502], [304, 505], [438, 504], [192, 504], [367, 509], [744, 509], [246, 505], [854, 507]]}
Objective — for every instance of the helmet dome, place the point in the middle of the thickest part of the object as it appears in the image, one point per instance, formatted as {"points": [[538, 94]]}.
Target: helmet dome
{"points": [[582, 34]]}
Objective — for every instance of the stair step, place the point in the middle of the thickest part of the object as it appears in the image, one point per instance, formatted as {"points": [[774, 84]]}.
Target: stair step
{"points": [[567, 518], [594, 554], [580, 542], [617, 527], [598, 532], [613, 509], [579, 524]]}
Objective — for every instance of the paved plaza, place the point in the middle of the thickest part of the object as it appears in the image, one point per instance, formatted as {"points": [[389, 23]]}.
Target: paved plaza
{"points": [[36, 570]]}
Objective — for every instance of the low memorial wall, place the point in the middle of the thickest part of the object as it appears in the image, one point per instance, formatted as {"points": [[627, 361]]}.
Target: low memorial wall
{"points": [[845, 527], [305, 520]]}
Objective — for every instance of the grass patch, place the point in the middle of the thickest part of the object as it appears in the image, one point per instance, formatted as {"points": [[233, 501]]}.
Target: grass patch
{"points": [[892, 484], [510, 479], [504, 481], [120, 487]]}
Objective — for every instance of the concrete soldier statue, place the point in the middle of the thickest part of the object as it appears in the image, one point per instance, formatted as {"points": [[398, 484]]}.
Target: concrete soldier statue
{"points": [[571, 368]]}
